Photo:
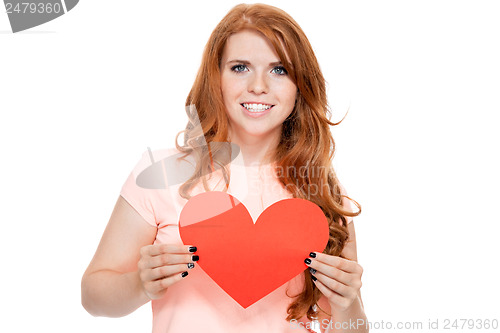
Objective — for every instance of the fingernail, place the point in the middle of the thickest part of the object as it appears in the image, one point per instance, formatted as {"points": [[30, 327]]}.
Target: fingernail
{"points": [[190, 265], [312, 255], [184, 274], [307, 261], [312, 270], [192, 249], [195, 258], [314, 278]]}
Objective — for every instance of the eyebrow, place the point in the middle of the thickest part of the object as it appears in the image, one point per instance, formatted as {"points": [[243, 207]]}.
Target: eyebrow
{"points": [[246, 62]]}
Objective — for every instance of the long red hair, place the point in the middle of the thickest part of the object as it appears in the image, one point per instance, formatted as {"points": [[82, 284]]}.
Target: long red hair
{"points": [[306, 142]]}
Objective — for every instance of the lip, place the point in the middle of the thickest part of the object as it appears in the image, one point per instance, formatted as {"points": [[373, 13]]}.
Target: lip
{"points": [[253, 102], [256, 114]]}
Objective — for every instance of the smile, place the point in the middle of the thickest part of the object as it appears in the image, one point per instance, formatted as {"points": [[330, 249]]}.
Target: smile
{"points": [[256, 108]]}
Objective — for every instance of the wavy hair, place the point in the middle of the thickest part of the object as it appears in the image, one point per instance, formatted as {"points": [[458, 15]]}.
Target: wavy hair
{"points": [[306, 142]]}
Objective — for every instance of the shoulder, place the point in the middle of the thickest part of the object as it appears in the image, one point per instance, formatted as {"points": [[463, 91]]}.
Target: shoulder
{"points": [[161, 168], [150, 157]]}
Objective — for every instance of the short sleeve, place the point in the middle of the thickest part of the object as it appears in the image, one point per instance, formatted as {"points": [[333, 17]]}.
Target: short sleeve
{"points": [[142, 199]]}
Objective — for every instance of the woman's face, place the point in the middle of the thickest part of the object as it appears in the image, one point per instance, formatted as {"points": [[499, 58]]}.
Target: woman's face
{"points": [[257, 91]]}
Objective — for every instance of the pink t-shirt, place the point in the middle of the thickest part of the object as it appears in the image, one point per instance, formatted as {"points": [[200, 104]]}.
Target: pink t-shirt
{"points": [[197, 303]]}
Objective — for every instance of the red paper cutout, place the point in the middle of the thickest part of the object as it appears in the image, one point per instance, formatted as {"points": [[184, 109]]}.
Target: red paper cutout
{"points": [[249, 261]]}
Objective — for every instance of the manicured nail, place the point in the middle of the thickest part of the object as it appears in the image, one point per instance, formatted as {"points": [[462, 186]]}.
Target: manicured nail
{"points": [[312, 270], [184, 274], [190, 265], [307, 261], [314, 278], [195, 258], [192, 249], [312, 255]]}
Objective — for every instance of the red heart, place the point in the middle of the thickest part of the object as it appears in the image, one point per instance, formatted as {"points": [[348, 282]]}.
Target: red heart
{"points": [[249, 261]]}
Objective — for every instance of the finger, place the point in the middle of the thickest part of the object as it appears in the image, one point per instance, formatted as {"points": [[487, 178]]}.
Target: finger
{"points": [[346, 265], [333, 284], [159, 249], [171, 259], [333, 297], [331, 271], [165, 271], [159, 285]]}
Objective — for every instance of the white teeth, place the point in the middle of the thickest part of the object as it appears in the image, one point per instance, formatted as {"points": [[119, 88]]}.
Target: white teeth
{"points": [[256, 107]]}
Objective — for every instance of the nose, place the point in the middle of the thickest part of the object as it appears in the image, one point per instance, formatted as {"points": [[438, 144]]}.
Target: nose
{"points": [[258, 84]]}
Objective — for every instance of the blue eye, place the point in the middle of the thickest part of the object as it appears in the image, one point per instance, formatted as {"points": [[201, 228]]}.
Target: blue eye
{"points": [[238, 68], [280, 70]]}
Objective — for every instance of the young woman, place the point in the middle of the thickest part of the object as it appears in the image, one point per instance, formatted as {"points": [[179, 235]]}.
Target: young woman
{"points": [[259, 87]]}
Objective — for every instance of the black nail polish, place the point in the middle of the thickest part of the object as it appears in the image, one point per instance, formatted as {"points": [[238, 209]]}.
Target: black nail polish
{"points": [[190, 265], [307, 261], [195, 258], [312, 255], [192, 249], [314, 278], [312, 270], [184, 274]]}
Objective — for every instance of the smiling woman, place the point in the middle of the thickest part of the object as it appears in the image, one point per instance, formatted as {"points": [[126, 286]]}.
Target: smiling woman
{"points": [[257, 91], [259, 87]]}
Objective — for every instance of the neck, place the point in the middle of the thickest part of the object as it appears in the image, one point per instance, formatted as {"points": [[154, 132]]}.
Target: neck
{"points": [[255, 150]]}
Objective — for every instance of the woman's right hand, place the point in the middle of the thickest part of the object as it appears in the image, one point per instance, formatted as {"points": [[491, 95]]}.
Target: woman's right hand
{"points": [[162, 265]]}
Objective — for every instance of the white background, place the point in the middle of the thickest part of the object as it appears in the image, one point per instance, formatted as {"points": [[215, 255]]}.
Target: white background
{"points": [[83, 96]]}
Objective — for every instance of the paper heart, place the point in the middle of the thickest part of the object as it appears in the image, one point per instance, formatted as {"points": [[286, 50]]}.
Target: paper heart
{"points": [[28, 14], [249, 261]]}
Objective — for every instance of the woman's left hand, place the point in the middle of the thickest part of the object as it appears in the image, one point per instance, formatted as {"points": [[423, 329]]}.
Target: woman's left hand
{"points": [[338, 279]]}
